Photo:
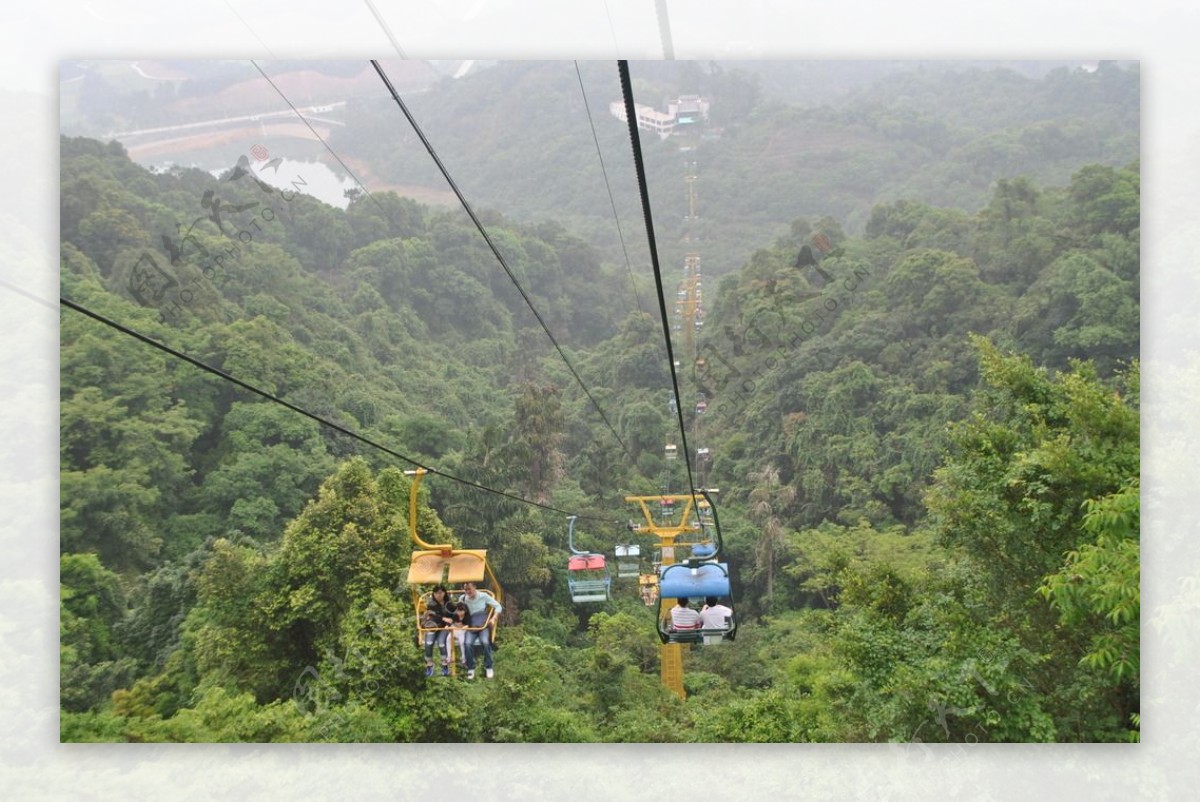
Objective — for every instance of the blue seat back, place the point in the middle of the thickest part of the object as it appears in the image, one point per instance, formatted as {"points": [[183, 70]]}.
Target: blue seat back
{"points": [[705, 580]]}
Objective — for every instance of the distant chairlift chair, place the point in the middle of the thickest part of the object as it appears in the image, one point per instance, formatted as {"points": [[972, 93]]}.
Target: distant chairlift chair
{"points": [[629, 562], [588, 578]]}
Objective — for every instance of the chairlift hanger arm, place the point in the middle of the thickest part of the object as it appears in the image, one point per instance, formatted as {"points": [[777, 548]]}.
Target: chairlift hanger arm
{"points": [[571, 536], [417, 474], [712, 506]]}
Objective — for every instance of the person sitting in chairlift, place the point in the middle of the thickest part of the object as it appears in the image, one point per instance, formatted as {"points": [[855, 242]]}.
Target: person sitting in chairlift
{"points": [[714, 616], [683, 617], [460, 620], [480, 633], [434, 623]]}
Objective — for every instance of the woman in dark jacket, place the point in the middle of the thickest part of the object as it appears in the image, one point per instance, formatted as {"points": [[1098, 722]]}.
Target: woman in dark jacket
{"points": [[435, 620]]}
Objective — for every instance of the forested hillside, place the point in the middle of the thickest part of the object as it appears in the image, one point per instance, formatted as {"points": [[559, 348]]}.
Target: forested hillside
{"points": [[519, 137], [926, 436]]}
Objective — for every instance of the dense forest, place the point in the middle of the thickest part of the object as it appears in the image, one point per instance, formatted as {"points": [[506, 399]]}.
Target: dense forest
{"points": [[927, 442]]}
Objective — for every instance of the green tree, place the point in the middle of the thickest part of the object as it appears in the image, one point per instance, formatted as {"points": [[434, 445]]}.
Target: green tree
{"points": [[92, 604], [1025, 462], [272, 462], [1097, 591], [1107, 199], [539, 432], [106, 232], [768, 499], [124, 445], [1012, 495], [1079, 308]]}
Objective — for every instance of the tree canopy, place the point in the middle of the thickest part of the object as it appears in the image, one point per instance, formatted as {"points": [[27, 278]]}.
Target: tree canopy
{"points": [[924, 428]]}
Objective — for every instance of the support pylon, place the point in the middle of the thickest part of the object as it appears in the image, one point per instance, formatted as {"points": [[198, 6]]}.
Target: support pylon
{"points": [[672, 668]]}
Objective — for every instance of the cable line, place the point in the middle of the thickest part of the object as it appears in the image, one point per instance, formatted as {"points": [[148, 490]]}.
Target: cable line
{"points": [[500, 257], [392, 220], [391, 37], [320, 420], [664, 29], [635, 140], [27, 294], [608, 186], [253, 33]]}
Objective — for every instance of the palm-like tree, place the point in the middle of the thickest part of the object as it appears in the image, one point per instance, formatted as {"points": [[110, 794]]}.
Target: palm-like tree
{"points": [[767, 500]]}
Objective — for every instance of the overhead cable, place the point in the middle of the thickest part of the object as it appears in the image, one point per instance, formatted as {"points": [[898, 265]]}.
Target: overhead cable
{"points": [[391, 37], [635, 141], [500, 257], [637, 297], [329, 148], [77, 307]]}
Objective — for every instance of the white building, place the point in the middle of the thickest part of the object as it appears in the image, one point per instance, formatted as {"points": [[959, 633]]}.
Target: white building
{"points": [[688, 109], [682, 111]]}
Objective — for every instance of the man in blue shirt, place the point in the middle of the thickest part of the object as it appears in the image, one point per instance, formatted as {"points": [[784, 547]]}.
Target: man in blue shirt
{"points": [[481, 606]]}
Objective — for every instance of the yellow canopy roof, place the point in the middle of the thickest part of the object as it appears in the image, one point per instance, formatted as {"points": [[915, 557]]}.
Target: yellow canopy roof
{"points": [[459, 566]]}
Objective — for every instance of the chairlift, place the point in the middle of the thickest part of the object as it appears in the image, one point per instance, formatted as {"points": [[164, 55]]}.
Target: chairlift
{"points": [[648, 588], [695, 580], [447, 565], [670, 452], [588, 578], [629, 563], [701, 575]]}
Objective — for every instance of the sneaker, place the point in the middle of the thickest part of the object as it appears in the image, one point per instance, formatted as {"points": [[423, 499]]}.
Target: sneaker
{"points": [[429, 671], [445, 671], [489, 672], [470, 674]]}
